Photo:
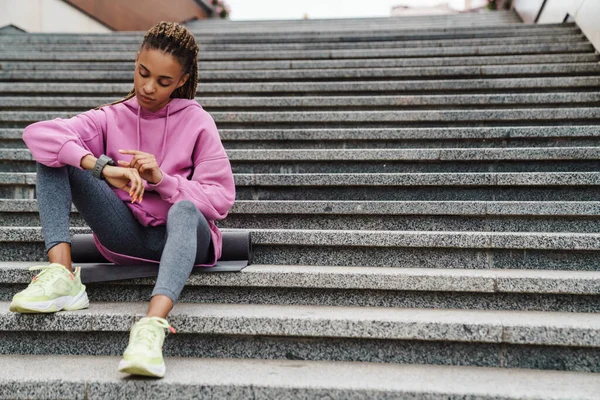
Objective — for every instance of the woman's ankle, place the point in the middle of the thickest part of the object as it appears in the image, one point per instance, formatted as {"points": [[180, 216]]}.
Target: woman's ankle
{"points": [[61, 254]]}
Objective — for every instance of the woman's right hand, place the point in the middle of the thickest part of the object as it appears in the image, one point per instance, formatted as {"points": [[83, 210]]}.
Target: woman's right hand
{"points": [[127, 179]]}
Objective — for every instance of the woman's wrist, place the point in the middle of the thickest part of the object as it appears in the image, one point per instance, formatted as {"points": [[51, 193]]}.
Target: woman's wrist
{"points": [[88, 162]]}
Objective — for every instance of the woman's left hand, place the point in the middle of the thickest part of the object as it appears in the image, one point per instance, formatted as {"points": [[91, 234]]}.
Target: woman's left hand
{"points": [[145, 163]]}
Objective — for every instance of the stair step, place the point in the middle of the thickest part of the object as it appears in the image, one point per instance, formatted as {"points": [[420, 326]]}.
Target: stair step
{"points": [[325, 333], [326, 88], [317, 74], [318, 54], [381, 215], [276, 379], [553, 159], [407, 249], [443, 137], [364, 278], [334, 45], [319, 119], [390, 216], [491, 186], [362, 103], [524, 290], [545, 59], [388, 208], [313, 36]]}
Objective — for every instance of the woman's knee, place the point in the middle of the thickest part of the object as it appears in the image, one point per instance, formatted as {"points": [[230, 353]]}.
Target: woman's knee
{"points": [[184, 211]]}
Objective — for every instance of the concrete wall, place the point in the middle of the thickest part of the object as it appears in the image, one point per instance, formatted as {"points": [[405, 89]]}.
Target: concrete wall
{"points": [[47, 16], [586, 14]]}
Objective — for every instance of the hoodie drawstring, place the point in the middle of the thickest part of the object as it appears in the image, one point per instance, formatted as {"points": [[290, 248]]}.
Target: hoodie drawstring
{"points": [[164, 141], [138, 127], [163, 148]]}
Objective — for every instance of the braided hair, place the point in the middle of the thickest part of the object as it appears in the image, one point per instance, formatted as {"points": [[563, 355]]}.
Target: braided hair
{"points": [[176, 40]]}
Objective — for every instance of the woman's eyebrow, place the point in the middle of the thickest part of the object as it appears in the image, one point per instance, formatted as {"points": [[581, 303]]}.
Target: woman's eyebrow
{"points": [[162, 76]]}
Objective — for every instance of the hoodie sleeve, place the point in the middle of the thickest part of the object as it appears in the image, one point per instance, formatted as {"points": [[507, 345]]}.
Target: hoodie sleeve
{"points": [[211, 187], [59, 142]]}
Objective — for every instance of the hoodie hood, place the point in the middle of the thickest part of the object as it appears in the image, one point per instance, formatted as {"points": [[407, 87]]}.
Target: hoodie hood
{"points": [[174, 106]]}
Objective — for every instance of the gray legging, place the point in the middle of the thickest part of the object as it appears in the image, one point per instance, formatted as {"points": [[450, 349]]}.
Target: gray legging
{"points": [[183, 242]]}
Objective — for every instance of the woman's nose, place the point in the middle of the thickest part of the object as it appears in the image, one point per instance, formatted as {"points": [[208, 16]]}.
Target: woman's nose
{"points": [[149, 88]]}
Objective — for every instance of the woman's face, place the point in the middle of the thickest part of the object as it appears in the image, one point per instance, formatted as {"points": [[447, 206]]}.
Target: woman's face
{"points": [[156, 76]]}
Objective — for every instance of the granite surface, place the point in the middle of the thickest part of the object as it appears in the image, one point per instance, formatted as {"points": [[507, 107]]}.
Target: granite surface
{"points": [[404, 179], [341, 63], [295, 102], [392, 42], [385, 222], [314, 349], [326, 54], [96, 378], [308, 87], [360, 117], [308, 74], [390, 155], [458, 133], [511, 327], [392, 134], [356, 278], [521, 154]]}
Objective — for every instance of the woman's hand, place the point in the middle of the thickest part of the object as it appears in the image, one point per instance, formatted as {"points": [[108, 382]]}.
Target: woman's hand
{"points": [[145, 164], [121, 177]]}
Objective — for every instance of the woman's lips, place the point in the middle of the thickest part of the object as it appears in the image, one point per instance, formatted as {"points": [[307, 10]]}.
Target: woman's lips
{"points": [[146, 99]]}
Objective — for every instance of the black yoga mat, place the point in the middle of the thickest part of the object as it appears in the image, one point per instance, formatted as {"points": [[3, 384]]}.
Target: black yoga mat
{"points": [[237, 249]]}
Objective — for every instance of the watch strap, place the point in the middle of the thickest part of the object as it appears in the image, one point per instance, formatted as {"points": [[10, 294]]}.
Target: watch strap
{"points": [[101, 162]]}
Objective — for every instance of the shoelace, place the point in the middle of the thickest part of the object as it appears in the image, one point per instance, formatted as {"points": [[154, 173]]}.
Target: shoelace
{"points": [[144, 332], [45, 275]]}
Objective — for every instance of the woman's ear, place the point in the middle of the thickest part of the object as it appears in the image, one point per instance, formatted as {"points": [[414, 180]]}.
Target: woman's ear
{"points": [[183, 80]]}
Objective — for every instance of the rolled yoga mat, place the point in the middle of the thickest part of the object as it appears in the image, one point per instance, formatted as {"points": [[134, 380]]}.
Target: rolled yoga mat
{"points": [[237, 249]]}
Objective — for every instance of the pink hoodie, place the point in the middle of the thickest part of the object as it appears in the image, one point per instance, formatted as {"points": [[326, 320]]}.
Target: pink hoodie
{"points": [[195, 167]]}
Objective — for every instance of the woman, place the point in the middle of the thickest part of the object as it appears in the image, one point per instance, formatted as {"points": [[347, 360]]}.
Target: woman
{"points": [[148, 174]]}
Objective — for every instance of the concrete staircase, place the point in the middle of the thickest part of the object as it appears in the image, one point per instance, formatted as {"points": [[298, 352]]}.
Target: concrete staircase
{"points": [[423, 195]]}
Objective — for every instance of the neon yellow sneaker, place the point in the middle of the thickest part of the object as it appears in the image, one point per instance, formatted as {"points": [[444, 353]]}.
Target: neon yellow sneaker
{"points": [[52, 290], [143, 355]]}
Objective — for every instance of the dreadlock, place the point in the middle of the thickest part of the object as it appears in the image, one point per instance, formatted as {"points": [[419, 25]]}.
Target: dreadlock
{"points": [[176, 40]]}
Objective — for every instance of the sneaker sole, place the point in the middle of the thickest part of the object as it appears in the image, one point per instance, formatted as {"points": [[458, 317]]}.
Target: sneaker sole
{"points": [[67, 303], [133, 368]]}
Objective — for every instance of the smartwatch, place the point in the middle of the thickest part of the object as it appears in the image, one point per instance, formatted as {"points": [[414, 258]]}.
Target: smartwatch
{"points": [[102, 162]]}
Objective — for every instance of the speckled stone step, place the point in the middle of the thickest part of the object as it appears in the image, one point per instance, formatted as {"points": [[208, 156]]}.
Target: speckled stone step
{"points": [[348, 138], [379, 34], [286, 379], [564, 291], [544, 59], [399, 215], [491, 186], [326, 88], [381, 215], [554, 159], [370, 119], [362, 103], [439, 137], [578, 47], [406, 249], [371, 44], [573, 69], [513, 339]]}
